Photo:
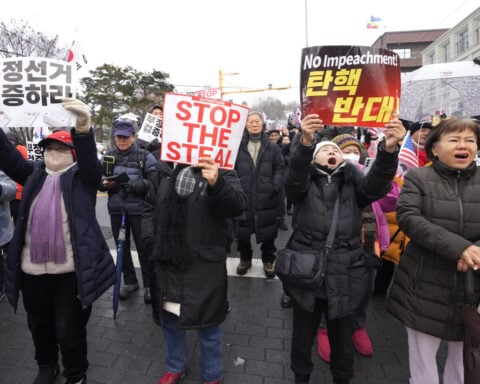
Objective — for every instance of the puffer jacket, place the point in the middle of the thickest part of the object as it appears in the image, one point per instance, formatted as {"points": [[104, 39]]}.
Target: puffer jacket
{"points": [[201, 289], [261, 183], [137, 163], [438, 210], [94, 266], [6, 195], [313, 193]]}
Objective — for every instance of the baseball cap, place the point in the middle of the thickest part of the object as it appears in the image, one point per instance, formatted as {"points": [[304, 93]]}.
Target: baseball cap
{"points": [[60, 136], [123, 128]]}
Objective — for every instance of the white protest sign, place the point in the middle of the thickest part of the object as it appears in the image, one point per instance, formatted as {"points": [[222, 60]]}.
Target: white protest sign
{"points": [[211, 93], [32, 89], [151, 128], [195, 127], [34, 152]]}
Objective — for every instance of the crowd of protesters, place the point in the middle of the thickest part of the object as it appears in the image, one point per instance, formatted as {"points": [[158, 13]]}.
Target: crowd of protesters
{"points": [[184, 218]]}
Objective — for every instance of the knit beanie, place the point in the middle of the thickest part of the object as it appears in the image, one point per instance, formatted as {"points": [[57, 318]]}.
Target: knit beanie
{"points": [[322, 144], [346, 140]]}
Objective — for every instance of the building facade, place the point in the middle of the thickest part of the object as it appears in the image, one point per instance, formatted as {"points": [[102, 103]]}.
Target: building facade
{"points": [[408, 45], [460, 43]]}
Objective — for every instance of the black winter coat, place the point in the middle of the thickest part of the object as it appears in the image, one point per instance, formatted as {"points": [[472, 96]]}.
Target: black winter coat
{"points": [[438, 208], [201, 289], [313, 193], [94, 266], [262, 184]]}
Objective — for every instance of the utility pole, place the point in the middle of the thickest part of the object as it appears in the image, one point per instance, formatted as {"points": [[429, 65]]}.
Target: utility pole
{"points": [[220, 80], [270, 88]]}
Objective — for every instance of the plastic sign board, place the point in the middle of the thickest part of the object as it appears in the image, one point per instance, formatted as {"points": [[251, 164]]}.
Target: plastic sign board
{"points": [[350, 85], [195, 127]]}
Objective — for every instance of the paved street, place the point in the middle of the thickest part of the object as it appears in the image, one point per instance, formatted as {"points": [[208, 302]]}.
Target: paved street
{"points": [[257, 332]]}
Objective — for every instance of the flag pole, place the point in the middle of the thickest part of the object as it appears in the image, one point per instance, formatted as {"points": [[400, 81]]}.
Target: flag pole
{"points": [[306, 24]]}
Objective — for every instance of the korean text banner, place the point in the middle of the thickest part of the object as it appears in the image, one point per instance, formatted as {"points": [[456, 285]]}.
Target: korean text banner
{"points": [[31, 92], [195, 127], [350, 85], [151, 128]]}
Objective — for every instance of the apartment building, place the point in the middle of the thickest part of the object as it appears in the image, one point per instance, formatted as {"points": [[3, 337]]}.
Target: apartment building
{"points": [[460, 43]]}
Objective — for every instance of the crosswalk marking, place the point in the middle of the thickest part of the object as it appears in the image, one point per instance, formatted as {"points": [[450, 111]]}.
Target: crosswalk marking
{"points": [[255, 271]]}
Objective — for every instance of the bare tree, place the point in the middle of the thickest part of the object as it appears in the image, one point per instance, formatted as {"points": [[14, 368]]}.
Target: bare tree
{"points": [[19, 39]]}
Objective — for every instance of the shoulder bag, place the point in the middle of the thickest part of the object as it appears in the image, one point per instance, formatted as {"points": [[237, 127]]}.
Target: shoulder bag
{"points": [[306, 269]]}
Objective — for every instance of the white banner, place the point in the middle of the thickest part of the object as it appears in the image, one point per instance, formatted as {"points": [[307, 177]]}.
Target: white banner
{"points": [[31, 92]]}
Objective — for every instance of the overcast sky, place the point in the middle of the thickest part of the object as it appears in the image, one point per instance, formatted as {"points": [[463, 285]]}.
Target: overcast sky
{"points": [[192, 40]]}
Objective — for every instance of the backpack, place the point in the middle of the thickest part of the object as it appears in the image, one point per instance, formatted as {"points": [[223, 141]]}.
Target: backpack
{"points": [[136, 160]]}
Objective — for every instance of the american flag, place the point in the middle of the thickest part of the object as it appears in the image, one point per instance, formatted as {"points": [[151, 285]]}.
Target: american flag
{"points": [[407, 157]]}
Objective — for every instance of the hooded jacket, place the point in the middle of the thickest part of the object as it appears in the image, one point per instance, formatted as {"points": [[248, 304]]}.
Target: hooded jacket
{"points": [[94, 266], [313, 193]]}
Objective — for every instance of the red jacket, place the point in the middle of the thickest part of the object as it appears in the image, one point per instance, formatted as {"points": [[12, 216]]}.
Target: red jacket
{"points": [[23, 150]]}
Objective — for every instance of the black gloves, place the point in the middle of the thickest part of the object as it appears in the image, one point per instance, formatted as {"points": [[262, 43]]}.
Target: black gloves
{"points": [[138, 187]]}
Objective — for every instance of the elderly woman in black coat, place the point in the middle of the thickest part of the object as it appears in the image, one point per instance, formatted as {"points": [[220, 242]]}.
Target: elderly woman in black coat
{"points": [[438, 210], [261, 168], [313, 187]]}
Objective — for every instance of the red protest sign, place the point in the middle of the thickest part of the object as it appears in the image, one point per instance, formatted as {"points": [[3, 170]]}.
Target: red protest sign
{"points": [[350, 85], [195, 127]]}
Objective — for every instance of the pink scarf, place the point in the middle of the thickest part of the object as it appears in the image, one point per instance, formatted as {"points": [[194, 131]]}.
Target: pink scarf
{"points": [[46, 229]]}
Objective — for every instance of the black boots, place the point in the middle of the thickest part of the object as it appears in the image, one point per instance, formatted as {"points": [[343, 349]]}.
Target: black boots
{"points": [[147, 296], [47, 374], [286, 301]]}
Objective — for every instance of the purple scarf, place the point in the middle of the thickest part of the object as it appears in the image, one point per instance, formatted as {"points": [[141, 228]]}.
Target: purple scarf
{"points": [[46, 229]]}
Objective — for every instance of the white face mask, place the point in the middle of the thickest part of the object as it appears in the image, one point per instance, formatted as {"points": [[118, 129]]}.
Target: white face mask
{"points": [[57, 160], [351, 158]]}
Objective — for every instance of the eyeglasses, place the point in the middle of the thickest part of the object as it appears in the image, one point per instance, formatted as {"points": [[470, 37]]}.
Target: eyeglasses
{"points": [[254, 121]]}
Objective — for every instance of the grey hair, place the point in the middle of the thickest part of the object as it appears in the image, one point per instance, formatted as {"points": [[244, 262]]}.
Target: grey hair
{"points": [[260, 114]]}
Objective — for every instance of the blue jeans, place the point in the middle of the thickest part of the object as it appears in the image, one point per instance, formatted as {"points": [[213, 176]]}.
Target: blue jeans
{"points": [[211, 364]]}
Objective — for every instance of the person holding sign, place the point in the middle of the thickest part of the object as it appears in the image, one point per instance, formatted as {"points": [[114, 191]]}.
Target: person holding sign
{"points": [[58, 257], [260, 167], [314, 187], [184, 232]]}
